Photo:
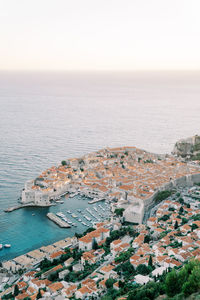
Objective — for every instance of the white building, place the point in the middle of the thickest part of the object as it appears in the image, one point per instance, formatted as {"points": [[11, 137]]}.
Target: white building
{"points": [[134, 213]]}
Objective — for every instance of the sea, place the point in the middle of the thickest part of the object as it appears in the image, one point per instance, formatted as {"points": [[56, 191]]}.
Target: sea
{"points": [[47, 117]]}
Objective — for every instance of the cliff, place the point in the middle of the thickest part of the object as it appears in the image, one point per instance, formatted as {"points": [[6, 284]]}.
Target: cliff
{"points": [[188, 148]]}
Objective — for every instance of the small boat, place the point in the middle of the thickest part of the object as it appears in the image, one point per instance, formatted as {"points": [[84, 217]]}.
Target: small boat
{"points": [[69, 212], [79, 210], [79, 220], [1, 246], [33, 214], [7, 245]]}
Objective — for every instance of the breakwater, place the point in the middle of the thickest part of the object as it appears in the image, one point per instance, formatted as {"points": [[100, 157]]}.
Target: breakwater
{"points": [[58, 221]]}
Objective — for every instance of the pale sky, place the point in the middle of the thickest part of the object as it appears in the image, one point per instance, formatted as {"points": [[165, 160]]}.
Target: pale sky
{"points": [[99, 35]]}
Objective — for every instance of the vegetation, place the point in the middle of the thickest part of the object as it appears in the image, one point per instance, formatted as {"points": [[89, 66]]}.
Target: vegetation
{"points": [[162, 196], [16, 290], [63, 162], [124, 256], [80, 275], [119, 211]]}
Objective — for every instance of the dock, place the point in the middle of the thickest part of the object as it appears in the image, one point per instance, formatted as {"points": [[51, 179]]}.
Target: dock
{"points": [[95, 201], [10, 209], [58, 221]]}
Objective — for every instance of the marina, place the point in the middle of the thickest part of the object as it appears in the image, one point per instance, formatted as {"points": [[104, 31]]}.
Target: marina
{"points": [[31, 226]]}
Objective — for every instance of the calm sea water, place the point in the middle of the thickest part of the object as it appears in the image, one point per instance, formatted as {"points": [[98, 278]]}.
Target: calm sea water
{"points": [[47, 117]]}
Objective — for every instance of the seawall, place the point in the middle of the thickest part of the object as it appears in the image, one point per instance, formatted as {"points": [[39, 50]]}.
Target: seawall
{"points": [[188, 180]]}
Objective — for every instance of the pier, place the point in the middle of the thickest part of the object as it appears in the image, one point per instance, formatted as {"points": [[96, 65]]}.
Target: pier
{"points": [[58, 221], [95, 201], [10, 209]]}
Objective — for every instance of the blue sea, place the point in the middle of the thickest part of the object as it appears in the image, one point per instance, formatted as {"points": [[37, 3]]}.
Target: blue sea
{"points": [[48, 117]]}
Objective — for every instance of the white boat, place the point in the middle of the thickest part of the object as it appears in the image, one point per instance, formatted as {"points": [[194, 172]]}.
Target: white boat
{"points": [[7, 245], [1, 246], [79, 220], [69, 212]]}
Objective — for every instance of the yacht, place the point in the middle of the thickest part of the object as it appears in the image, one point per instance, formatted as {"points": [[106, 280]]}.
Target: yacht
{"points": [[69, 212], [7, 245], [79, 220], [74, 216], [87, 218], [79, 210]]}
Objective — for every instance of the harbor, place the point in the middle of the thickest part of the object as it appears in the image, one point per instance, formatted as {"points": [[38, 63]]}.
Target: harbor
{"points": [[30, 225]]}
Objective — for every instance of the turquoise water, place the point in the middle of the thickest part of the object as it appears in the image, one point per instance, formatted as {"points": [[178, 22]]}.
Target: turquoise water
{"points": [[29, 228], [48, 117]]}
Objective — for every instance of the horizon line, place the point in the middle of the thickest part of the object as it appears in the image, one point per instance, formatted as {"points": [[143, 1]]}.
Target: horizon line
{"points": [[98, 70]]}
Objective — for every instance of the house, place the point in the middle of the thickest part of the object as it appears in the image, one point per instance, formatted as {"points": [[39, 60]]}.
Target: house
{"points": [[77, 267], [70, 291], [134, 260], [68, 262], [138, 241], [151, 221], [159, 271], [56, 255], [107, 271], [115, 244], [52, 270], [140, 279], [88, 257], [83, 292], [63, 273], [55, 287]]}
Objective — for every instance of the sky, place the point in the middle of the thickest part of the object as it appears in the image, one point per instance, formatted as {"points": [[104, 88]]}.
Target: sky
{"points": [[99, 35]]}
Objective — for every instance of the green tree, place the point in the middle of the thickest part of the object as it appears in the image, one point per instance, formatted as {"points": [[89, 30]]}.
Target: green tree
{"points": [[39, 295], [193, 284], [94, 245], [150, 262], [147, 239], [176, 225], [63, 162], [119, 211], [143, 269], [109, 283], [16, 290], [194, 226], [171, 288]]}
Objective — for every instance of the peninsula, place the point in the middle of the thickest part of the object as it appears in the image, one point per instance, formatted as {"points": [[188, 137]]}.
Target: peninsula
{"points": [[127, 177]]}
